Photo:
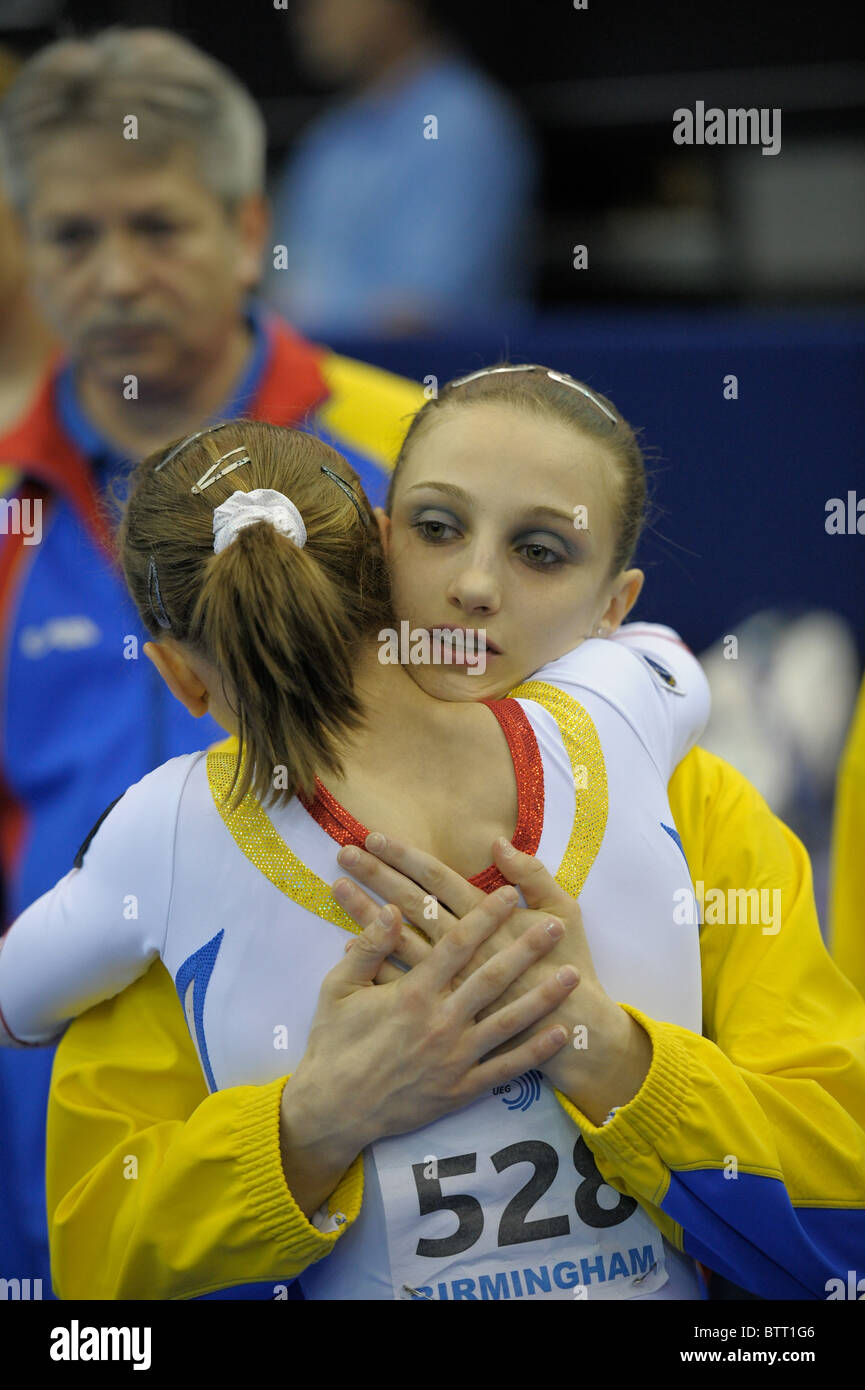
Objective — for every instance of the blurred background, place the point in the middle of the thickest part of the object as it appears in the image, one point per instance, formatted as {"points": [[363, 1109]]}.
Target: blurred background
{"points": [[594, 90], [536, 207]]}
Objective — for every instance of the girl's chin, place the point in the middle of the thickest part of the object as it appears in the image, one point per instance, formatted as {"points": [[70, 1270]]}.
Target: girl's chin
{"points": [[459, 683]]}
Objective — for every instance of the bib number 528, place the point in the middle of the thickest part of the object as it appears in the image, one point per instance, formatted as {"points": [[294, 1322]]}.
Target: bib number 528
{"points": [[514, 1228]]}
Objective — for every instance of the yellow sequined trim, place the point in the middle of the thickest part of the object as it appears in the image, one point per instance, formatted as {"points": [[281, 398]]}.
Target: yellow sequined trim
{"points": [[253, 832], [583, 747]]}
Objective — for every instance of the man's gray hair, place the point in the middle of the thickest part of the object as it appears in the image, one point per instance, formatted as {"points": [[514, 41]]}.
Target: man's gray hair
{"points": [[178, 95]]}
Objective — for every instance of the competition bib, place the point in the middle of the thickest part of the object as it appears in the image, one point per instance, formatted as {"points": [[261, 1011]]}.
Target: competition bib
{"points": [[525, 1215]]}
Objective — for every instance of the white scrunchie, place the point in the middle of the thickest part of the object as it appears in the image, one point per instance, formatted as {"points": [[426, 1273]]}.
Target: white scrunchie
{"points": [[262, 504]]}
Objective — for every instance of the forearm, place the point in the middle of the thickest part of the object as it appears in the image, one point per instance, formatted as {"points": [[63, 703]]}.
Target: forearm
{"points": [[157, 1190], [608, 1061], [316, 1152], [759, 1176]]}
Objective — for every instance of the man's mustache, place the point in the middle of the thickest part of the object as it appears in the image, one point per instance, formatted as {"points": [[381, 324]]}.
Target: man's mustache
{"points": [[113, 327]]}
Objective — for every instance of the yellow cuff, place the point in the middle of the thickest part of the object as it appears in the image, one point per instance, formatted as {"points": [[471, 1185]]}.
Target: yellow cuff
{"points": [[633, 1136], [274, 1208]]}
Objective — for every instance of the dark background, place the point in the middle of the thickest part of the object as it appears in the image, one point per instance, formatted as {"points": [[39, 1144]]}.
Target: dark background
{"points": [[599, 87], [740, 486]]}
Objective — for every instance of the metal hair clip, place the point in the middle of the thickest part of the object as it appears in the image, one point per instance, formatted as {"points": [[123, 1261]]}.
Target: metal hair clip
{"points": [[554, 376], [349, 492], [211, 476], [157, 607], [188, 440]]}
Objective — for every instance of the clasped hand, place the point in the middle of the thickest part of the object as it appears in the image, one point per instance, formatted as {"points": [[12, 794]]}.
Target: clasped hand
{"points": [[435, 900]]}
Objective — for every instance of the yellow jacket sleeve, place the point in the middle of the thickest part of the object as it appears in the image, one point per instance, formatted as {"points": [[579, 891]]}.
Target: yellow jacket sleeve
{"points": [[747, 1144], [157, 1189], [847, 887]]}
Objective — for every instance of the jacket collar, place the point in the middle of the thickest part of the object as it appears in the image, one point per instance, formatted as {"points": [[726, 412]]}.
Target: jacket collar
{"points": [[291, 385]]}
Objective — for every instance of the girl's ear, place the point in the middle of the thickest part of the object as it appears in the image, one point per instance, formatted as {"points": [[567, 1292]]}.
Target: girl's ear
{"points": [[383, 520], [623, 599], [179, 676]]}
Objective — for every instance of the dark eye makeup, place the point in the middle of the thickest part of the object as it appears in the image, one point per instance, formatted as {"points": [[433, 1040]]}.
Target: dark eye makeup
{"points": [[539, 550]]}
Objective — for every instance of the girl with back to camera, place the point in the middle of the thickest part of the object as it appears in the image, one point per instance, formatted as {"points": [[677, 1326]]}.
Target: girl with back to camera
{"points": [[290, 678]]}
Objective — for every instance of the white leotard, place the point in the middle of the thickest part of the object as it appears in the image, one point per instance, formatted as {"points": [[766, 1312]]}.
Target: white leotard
{"points": [[240, 912]]}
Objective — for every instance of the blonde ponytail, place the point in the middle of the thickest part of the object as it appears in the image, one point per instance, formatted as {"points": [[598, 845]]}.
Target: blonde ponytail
{"points": [[276, 628], [282, 623]]}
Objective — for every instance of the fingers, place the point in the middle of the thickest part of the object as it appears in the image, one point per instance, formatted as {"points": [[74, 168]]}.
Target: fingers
{"points": [[455, 949], [358, 904], [388, 973], [410, 948], [444, 883], [393, 971], [536, 883], [399, 868], [368, 953], [535, 1004], [414, 904], [486, 984], [534, 1053]]}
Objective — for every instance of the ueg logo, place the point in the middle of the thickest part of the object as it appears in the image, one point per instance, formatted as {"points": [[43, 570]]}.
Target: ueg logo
{"points": [[436, 646], [737, 126], [835, 1288], [21, 517], [76, 1343], [736, 907], [527, 1089]]}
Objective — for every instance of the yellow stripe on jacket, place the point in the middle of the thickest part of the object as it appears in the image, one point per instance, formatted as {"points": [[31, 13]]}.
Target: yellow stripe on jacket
{"points": [[369, 409]]}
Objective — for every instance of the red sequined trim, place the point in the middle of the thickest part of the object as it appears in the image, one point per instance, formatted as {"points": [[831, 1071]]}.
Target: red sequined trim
{"points": [[341, 826]]}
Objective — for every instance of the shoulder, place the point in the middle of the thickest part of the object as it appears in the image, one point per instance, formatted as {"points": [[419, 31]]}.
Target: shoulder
{"points": [[705, 784], [595, 662], [328, 127], [461, 89], [645, 655], [728, 831], [369, 409], [145, 813], [650, 678]]}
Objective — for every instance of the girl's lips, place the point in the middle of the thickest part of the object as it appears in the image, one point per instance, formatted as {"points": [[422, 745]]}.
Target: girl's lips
{"points": [[483, 644]]}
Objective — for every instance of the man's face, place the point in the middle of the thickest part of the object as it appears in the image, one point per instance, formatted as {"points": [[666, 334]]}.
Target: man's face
{"points": [[136, 264]]}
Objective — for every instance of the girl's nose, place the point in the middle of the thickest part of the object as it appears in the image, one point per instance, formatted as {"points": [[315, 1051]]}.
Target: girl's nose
{"points": [[475, 589]]}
